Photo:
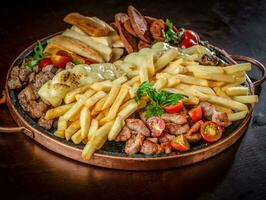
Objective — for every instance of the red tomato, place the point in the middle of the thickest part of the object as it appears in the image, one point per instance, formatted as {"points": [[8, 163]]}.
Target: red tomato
{"points": [[190, 38], [210, 131], [180, 143], [44, 62], [61, 58], [89, 62], [156, 125], [195, 114], [174, 108]]}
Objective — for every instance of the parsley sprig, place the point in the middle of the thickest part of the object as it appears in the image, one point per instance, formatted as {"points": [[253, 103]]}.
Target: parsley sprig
{"points": [[157, 99], [170, 36], [38, 54]]}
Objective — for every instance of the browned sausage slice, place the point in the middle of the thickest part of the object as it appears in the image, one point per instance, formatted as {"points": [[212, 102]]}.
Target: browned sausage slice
{"points": [[128, 27], [143, 44], [156, 29], [149, 19], [129, 41], [139, 24]]}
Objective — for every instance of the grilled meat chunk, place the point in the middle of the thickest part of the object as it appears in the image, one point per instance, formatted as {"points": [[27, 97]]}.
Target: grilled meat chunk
{"points": [[47, 124], [193, 134], [41, 78], [149, 148], [176, 129], [124, 135], [167, 147], [208, 110], [209, 60], [138, 126], [177, 118], [166, 137], [221, 118], [156, 29], [133, 145], [14, 81]]}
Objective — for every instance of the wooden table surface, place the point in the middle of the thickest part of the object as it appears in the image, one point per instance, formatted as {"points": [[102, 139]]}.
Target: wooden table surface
{"points": [[29, 171]]}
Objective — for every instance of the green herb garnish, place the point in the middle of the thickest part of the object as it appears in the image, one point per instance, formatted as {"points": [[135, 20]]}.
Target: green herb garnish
{"points": [[38, 54], [170, 36], [157, 99]]}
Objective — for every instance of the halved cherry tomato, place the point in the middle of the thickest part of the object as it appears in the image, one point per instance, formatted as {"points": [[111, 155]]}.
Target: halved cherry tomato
{"points": [[174, 108], [190, 38], [210, 131], [89, 62], [156, 125], [180, 143], [195, 114], [61, 58], [44, 62]]}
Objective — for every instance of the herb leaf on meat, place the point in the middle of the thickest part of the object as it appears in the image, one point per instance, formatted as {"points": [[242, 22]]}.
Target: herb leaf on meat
{"points": [[38, 54], [157, 99], [169, 34]]}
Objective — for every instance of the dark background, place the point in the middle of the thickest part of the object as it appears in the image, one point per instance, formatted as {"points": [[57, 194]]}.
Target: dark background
{"points": [[29, 171]]}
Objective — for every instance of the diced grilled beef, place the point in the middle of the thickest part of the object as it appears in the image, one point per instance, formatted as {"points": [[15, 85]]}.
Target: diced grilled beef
{"points": [[41, 78], [176, 129], [47, 124], [133, 145], [166, 137], [208, 110], [124, 135], [193, 134], [138, 126], [177, 118], [221, 118], [149, 148], [14, 81]]}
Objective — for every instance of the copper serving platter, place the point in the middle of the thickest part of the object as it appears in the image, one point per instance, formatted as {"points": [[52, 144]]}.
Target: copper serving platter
{"points": [[112, 155]]}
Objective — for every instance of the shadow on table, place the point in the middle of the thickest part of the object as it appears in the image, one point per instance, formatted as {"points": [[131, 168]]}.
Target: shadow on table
{"points": [[64, 178]]}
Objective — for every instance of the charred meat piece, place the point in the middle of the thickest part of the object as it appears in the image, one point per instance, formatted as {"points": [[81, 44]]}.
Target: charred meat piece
{"points": [[143, 44], [138, 126], [149, 19], [139, 24], [27, 94], [124, 135], [193, 134], [24, 71], [47, 124], [176, 129], [166, 138], [149, 148], [209, 60], [156, 29], [133, 145], [221, 118], [41, 78], [129, 41], [37, 109], [167, 147], [14, 81], [177, 118], [128, 27], [153, 139], [142, 115], [208, 110]]}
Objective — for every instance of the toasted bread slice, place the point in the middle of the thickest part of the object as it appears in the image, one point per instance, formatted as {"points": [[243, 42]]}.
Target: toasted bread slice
{"points": [[86, 24], [77, 47]]}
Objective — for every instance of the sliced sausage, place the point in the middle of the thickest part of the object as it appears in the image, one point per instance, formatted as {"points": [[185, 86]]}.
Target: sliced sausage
{"points": [[156, 29], [129, 41], [139, 24], [128, 27], [149, 19], [143, 44]]}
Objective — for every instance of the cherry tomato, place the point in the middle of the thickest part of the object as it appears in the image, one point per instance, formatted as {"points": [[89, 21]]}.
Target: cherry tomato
{"points": [[61, 58], [174, 108], [180, 143], [190, 38], [195, 114], [210, 131], [44, 62], [89, 62], [156, 125]]}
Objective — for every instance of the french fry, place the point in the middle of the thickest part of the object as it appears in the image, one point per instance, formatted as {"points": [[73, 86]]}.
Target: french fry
{"points": [[236, 68], [85, 120], [236, 91], [220, 92], [148, 52], [213, 84], [132, 81], [116, 128], [61, 127], [166, 58], [94, 99], [122, 79], [72, 129], [99, 116], [223, 109], [237, 116], [187, 63], [102, 86], [247, 99], [192, 80], [93, 128], [239, 74], [57, 111], [173, 81], [214, 76], [210, 69], [227, 103], [191, 100], [114, 108], [160, 84], [70, 96], [205, 90], [128, 108], [111, 96], [78, 105], [98, 106], [143, 74], [173, 69], [75, 117], [77, 137], [77, 96]]}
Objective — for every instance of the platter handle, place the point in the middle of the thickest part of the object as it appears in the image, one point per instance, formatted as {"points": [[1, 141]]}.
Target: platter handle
{"points": [[12, 129], [255, 63]]}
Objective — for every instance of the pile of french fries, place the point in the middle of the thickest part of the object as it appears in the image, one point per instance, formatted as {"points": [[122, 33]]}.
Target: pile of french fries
{"points": [[88, 38], [95, 113]]}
